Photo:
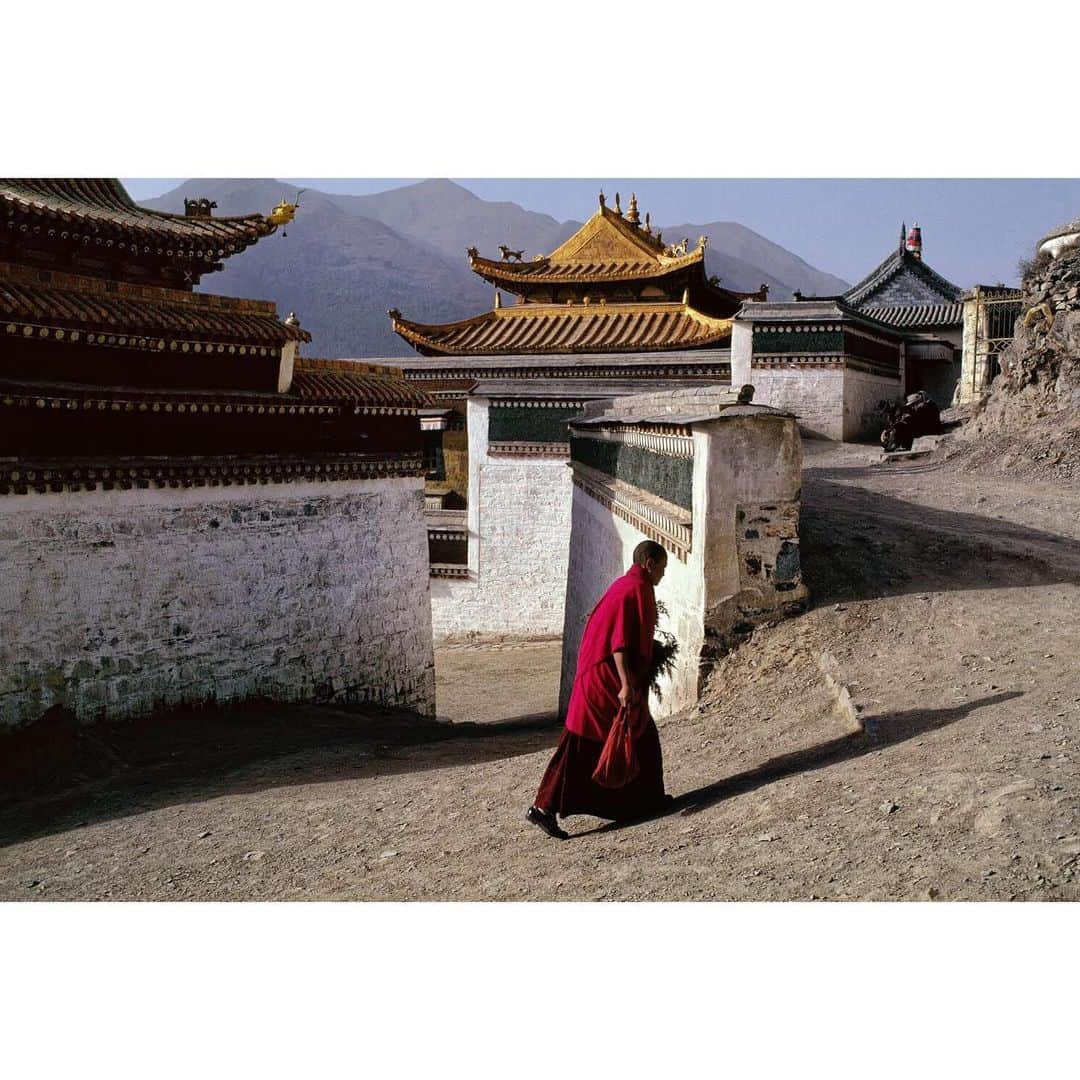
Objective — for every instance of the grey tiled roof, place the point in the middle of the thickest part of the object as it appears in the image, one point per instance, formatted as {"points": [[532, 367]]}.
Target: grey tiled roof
{"points": [[898, 262], [917, 315]]}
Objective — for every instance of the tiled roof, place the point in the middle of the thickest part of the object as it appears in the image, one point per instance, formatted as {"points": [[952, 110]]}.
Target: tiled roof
{"points": [[103, 206], [607, 247], [899, 261], [159, 316], [544, 270], [910, 316], [348, 381], [317, 386], [576, 328]]}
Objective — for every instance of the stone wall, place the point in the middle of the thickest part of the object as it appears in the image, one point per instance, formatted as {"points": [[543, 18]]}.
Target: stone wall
{"points": [[519, 531], [117, 603]]}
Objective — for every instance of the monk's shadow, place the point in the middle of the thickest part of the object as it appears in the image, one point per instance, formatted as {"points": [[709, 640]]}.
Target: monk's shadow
{"points": [[879, 732]]}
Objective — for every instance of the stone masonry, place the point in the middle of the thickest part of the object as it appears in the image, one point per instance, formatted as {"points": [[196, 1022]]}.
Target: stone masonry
{"points": [[118, 603]]}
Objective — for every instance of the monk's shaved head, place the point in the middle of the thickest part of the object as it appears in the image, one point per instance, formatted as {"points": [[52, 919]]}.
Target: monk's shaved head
{"points": [[649, 549]]}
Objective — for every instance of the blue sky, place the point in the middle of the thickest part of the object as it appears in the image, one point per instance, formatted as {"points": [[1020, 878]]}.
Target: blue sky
{"points": [[974, 231]]}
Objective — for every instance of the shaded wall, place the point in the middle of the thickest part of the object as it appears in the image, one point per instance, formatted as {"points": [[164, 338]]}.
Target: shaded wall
{"points": [[117, 603]]}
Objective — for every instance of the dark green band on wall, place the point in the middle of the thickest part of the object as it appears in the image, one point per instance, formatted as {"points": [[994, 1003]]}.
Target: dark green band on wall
{"points": [[771, 341], [671, 478], [523, 423]]}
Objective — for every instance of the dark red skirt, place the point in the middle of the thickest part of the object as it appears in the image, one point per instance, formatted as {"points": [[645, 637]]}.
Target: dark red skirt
{"points": [[568, 787]]}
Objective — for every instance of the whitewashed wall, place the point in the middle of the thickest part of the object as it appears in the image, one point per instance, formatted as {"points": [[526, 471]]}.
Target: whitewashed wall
{"points": [[862, 393], [118, 603], [519, 536], [814, 395], [601, 550], [744, 565]]}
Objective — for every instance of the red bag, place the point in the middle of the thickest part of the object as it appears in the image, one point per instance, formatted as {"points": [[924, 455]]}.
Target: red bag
{"points": [[618, 763]]}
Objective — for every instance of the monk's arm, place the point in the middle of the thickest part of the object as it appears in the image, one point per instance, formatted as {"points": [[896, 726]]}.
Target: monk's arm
{"points": [[629, 693]]}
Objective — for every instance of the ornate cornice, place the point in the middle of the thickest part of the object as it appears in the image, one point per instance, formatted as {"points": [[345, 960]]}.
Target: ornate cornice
{"points": [[119, 340], [448, 570], [529, 449], [19, 476], [670, 440], [658, 519], [180, 404]]}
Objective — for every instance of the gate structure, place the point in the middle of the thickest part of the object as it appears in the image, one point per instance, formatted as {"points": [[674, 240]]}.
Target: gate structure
{"points": [[990, 314]]}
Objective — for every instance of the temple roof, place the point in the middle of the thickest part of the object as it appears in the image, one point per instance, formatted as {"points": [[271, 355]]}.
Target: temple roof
{"points": [[72, 308], [608, 247], [357, 383], [916, 316], [103, 206], [568, 328], [323, 386], [900, 263]]}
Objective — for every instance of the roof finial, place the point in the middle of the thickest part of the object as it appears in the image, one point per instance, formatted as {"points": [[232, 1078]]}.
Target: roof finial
{"points": [[603, 201], [914, 241], [618, 208], [632, 214], [903, 234], [498, 299], [648, 227]]}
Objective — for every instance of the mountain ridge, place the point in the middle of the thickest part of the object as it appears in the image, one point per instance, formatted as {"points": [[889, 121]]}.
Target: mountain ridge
{"points": [[347, 259]]}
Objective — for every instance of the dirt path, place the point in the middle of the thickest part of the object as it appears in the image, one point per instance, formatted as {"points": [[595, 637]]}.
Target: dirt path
{"points": [[946, 604]]}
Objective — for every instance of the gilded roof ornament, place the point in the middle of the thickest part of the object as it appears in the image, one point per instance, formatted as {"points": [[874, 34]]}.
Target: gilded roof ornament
{"points": [[618, 208], [702, 242], [285, 211], [648, 227], [508, 255], [632, 214], [603, 201]]}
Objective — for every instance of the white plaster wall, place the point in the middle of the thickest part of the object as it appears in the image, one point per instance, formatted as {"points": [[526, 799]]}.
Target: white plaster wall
{"points": [[519, 537], [602, 549], [814, 395], [742, 348], [862, 392], [118, 603]]}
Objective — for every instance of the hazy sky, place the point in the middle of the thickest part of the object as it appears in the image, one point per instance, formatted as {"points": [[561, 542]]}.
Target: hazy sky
{"points": [[974, 231]]}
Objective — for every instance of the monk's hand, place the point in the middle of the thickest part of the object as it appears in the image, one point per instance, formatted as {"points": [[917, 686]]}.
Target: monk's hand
{"points": [[629, 696]]}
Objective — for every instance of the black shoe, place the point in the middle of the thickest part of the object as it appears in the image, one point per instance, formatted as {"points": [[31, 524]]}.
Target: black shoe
{"points": [[547, 822]]}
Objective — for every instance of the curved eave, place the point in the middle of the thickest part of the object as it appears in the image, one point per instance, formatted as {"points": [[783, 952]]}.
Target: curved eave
{"points": [[63, 210], [543, 271], [570, 328], [70, 316]]}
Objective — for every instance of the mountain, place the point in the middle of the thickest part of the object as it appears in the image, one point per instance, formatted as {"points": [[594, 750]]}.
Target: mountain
{"points": [[347, 259], [451, 219], [340, 272], [736, 254]]}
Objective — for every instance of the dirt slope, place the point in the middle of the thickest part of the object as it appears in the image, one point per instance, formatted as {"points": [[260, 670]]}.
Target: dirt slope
{"points": [[946, 604]]}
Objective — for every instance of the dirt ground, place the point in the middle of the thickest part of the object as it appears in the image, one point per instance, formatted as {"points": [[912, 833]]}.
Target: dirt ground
{"points": [[946, 615]]}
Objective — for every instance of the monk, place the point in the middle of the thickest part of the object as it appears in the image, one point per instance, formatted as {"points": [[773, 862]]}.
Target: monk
{"points": [[613, 672]]}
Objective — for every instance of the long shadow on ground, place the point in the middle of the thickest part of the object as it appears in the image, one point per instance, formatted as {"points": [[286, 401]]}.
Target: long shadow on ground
{"points": [[192, 757], [880, 733], [858, 545]]}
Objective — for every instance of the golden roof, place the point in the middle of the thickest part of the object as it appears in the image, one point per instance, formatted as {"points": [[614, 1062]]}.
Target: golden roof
{"points": [[568, 328], [606, 248]]}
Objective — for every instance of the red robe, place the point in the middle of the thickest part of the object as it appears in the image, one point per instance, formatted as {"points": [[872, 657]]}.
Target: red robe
{"points": [[625, 619]]}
